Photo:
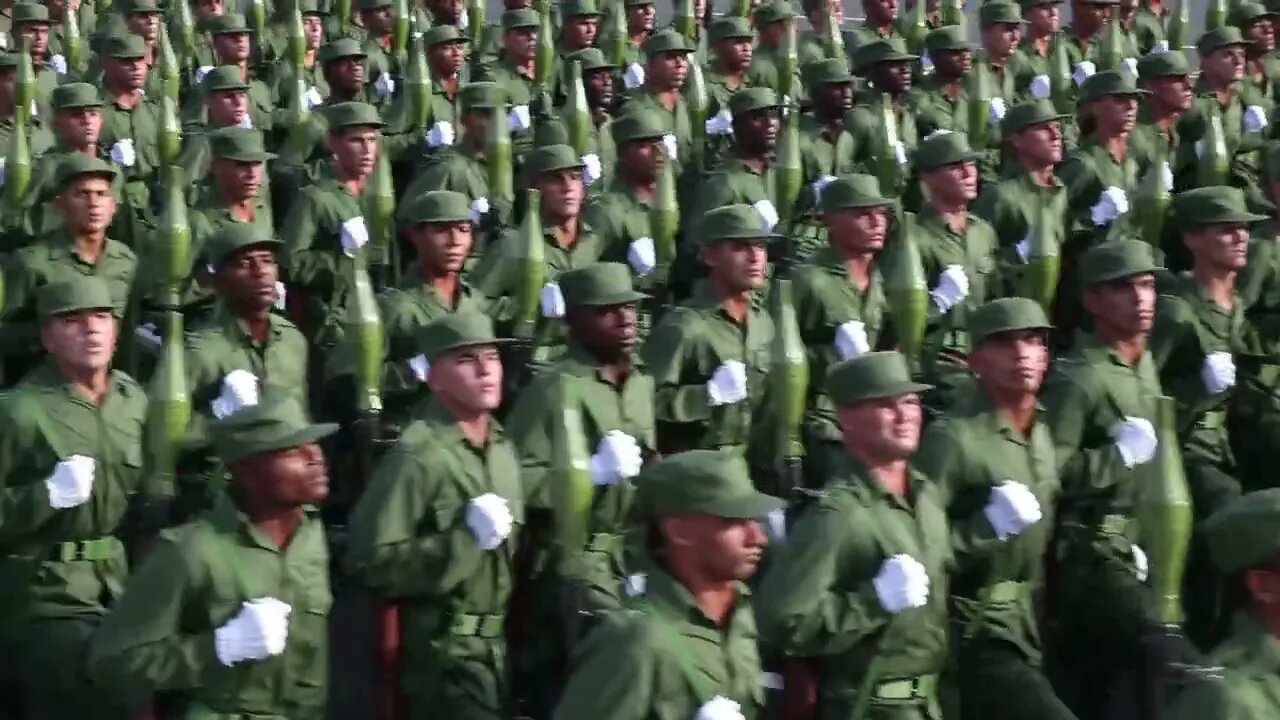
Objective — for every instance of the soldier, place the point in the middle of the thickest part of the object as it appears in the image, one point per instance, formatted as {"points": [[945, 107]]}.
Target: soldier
{"points": [[743, 176], [887, 68], [812, 45], [130, 123], [641, 19], [77, 129], [1088, 19], [773, 21], [666, 66], [31, 23], [879, 24], [514, 72], [580, 21], [71, 460], [282, 74], [872, 547], [38, 139], [462, 166], [234, 190], [1262, 67], [230, 613], [446, 55], [1167, 78], [1149, 25], [994, 457], [1044, 19], [226, 104], [446, 505], [825, 148], [727, 73], [597, 83], [1001, 32], [381, 66], [939, 100], [688, 645], [1099, 402], [231, 47]]}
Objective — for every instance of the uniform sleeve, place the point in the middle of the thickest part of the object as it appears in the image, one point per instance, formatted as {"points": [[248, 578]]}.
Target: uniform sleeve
{"points": [[665, 353], [942, 458], [613, 674], [530, 428], [1173, 342], [24, 505], [1069, 413], [309, 267]]}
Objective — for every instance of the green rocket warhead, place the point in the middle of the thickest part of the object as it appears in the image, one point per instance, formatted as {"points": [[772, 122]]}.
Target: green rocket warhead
{"points": [[17, 172], [788, 61], [571, 491], [1215, 15], [740, 8], [1179, 21], [788, 171], [499, 157], [72, 42], [888, 171], [617, 49], [833, 38], [545, 57], [1111, 49], [342, 9], [364, 330], [296, 39], [788, 370], [258, 24], [1043, 257], [685, 21], [170, 140], [526, 268], [400, 27], [1061, 88], [170, 70], [953, 14], [169, 406], [186, 27], [577, 115], [907, 290], [475, 20], [379, 208], [664, 216], [1213, 163], [418, 80], [695, 99], [917, 26], [175, 244], [979, 106], [297, 124], [1165, 518], [1153, 196], [24, 94]]}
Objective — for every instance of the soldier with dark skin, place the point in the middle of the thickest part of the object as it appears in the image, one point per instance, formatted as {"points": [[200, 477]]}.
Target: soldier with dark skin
{"points": [[887, 68], [665, 70], [732, 52], [1044, 22], [1167, 77]]}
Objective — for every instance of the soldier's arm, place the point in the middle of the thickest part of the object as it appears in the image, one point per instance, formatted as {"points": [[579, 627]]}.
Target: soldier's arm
{"points": [[531, 429], [24, 504], [308, 266], [943, 458], [614, 673], [1174, 344], [666, 353], [1071, 413]]}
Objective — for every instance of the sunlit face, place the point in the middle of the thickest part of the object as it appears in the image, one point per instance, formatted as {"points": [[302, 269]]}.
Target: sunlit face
{"points": [[1125, 307], [883, 429], [469, 379], [84, 340], [1222, 246], [1012, 363]]}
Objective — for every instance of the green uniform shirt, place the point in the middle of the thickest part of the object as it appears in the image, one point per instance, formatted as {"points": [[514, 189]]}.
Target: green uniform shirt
{"points": [[1249, 686], [766, 69], [863, 125], [1149, 28], [1010, 206], [224, 345], [1087, 171], [974, 249], [1147, 137], [42, 217], [314, 260], [141, 124], [675, 120], [735, 182], [1243, 147]]}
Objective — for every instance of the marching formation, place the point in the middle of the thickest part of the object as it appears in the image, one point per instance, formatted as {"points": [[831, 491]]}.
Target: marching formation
{"points": [[371, 359]]}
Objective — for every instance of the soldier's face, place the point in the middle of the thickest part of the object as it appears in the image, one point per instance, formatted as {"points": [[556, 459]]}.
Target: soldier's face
{"points": [[236, 181], [1090, 16], [833, 99], [448, 10], [347, 73], [757, 132], [640, 18], [355, 149], [1001, 39], [880, 10], [952, 184], [580, 31], [37, 35], [858, 231], [640, 159], [608, 331], [1223, 247], [1172, 92], [146, 24], [771, 34], [126, 73], [1123, 308], [377, 21], [231, 48], [951, 63], [447, 58], [599, 87], [442, 247], [87, 204], [83, 340], [312, 31], [1224, 65], [208, 9], [734, 53], [247, 280], [286, 478], [1043, 19], [1115, 114], [1263, 34], [892, 77], [468, 380], [668, 70], [736, 267], [1011, 364], [78, 127], [521, 43], [562, 193], [721, 549], [1039, 144], [227, 107], [835, 8], [882, 430]]}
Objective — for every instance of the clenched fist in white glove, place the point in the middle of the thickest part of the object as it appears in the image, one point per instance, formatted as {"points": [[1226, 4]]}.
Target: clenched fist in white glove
{"points": [[384, 86], [1141, 566], [996, 110], [851, 339], [902, 583], [1112, 203], [239, 391], [1135, 438], [719, 708], [633, 77], [1011, 508], [551, 301], [313, 98], [479, 208], [123, 153], [1218, 372], [617, 458], [768, 214], [58, 63], [354, 235], [819, 185], [518, 118], [1040, 87], [1083, 71], [1130, 65], [720, 124], [1254, 119], [258, 631], [489, 519], [592, 170], [421, 367], [728, 384], [953, 286], [71, 483], [671, 146], [642, 256], [440, 134]]}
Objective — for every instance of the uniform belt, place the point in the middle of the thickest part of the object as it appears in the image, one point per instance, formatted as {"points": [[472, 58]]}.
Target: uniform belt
{"points": [[922, 687], [1211, 420], [85, 550], [604, 543], [482, 626]]}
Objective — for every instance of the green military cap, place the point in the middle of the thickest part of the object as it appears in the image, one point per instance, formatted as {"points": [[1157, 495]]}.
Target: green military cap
{"points": [[68, 296], [75, 95], [234, 237], [1163, 64], [1024, 115], [773, 12], [374, 4], [709, 482], [599, 285], [340, 48], [944, 148], [949, 37], [730, 26], [1109, 82], [478, 95], [228, 23], [136, 6], [239, 144], [1028, 4], [734, 223], [127, 46], [75, 165], [520, 18], [550, 158], [436, 206], [830, 71], [456, 331], [8, 60], [1101, 2], [1241, 14], [579, 8], [1242, 533], [223, 77], [879, 51], [349, 114], [550, 131], [637, 3], [1114, 260], [870, 376], [29, 12], [268, 427], [1214, 205], [637, 125], [994, 13], [1006, 315], [590, 59], [852, 192], [666, 41], [1218, 38], [312, 7], [756, 99], [441, 34]]}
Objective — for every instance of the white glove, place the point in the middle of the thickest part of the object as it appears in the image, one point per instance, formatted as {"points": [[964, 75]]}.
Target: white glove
{"points": [[719, 708], [633, 77], [768, 214], [635, 584], [721, 124], [728, 384], [953, 286], [246, 122], [518, 118], [384, 86], [1135, 438], [1083, 71], [313, 98], [355, 235], [642, 256], [1112, 203], [1255, 119], [420, 366], [1130, 65], [464, 22], [671, 146], [149, 334], [617, 458], [1218, 372], [901, 583], [2, 162], [591, 168], [996, 110], [899, 152], [1166, 176], [851, 339], [122, 152], [58, 63], [551, 301], [1199, 146], [819, 185], [1040, 87], [1023, 247], [201, 72], [258, 631], [239, 391], [282, 295], [926, 63], [479, 208], [440, 134], [1010, 508], [71, 482], [490, 520], [1160, 46], [1141, 567]]}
